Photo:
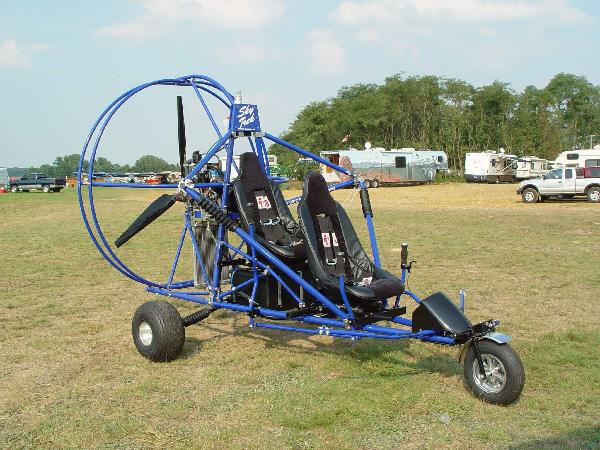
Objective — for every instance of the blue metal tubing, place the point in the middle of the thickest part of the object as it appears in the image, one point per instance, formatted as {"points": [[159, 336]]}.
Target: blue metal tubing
{"points": [[412, 295], [105, 249], [236, 288], [221, 229], [260, 145], [151, 186], [254, 271], [372, 237], [281, 266], [349, 311], [212, 152], [265, 267], [205, 106], [188, 226], [176, 259], [233, 306], [331, 188], [354, 333], [308, 154]]}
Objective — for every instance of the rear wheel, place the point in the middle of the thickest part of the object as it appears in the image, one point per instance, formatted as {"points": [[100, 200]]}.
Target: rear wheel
{"points": [[367, 184], [14, 188], [158, 331], [46, 188], [593, 194], [530, 195], [504, 374], [375, 184]]}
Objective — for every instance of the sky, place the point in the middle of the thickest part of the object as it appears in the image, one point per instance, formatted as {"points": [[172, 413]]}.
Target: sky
{"points": [[63, 61]]}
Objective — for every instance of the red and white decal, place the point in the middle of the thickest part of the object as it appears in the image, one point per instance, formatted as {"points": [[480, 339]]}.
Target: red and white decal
{"points": [[263, 202], [326, 240], [366, 281]]}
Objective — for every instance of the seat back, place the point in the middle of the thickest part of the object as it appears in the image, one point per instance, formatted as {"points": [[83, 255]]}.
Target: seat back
{"points": [[261, 203], [332, 246]]}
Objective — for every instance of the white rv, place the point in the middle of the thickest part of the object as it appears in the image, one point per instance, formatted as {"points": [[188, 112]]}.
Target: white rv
{"points": [[531, 167], [579, 158], [4, 180], [379, 166], [490, 166]]}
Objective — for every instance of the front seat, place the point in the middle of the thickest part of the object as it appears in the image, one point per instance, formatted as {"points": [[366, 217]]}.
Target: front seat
{"points": [[260, 203], [333, 249]]}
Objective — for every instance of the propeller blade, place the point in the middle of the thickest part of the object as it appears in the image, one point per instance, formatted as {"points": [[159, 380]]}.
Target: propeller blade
{"points": [[181, 134], [152, 212]]}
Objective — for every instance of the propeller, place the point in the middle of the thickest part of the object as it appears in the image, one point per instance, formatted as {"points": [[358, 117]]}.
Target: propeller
{"points": [[159, 206], [156, 209], [181, 135]]}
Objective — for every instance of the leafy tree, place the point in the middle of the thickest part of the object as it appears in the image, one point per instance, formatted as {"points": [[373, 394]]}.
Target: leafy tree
{"points": [[450, 115], [151, 163]]}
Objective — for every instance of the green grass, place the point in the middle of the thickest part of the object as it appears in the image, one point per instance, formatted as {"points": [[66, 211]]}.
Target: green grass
{"points": [[70, 376]]}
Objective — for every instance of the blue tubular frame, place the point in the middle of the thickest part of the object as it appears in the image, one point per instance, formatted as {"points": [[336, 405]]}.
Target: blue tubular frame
{"points": [[332, 320]]}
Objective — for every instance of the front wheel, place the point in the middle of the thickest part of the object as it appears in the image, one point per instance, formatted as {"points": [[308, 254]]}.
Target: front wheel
{"points": [[504, 374], [593, 194], [158, 331], [14, 188], [375, 183], [530, 195], [46, 188]]}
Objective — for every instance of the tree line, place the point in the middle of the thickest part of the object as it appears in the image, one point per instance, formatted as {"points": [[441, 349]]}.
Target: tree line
{"points": [[451, 115], [64, 166]]}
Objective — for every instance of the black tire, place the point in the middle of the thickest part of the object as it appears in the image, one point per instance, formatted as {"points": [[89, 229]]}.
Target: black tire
{"points": [[530, 195], [375, 184], [593, 194], [505, 384], [158, 331], [14, 188], [46, 188], [367, 184]]}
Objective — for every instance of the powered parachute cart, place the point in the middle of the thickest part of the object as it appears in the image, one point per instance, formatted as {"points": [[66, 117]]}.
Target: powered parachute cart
{"points": [[309, 274]]}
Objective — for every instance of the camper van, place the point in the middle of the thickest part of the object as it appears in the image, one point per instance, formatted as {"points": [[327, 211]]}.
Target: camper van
{"points": [[378, 166], [531, 167], [579, 158], [490, 166]]}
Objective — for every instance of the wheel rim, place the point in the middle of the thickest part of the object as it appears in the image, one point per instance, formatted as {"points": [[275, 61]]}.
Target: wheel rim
{"points": [[495, 378], [595, 195], [529, 196], [145, 332]]}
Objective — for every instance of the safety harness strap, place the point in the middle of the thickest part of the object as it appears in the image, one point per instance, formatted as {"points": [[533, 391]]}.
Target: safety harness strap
{"points": [[270, 223], [334, 259]]}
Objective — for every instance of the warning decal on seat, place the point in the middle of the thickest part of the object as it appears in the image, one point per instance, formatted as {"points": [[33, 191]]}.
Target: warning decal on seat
{"points": [[263, 202], [326, 240]]}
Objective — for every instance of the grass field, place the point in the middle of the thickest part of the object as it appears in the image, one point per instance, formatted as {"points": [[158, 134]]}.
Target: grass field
{"points": [[70, 376]]}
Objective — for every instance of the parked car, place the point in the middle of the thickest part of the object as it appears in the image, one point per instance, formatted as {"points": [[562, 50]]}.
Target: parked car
{"points": [[563, 183], [37, 181]]}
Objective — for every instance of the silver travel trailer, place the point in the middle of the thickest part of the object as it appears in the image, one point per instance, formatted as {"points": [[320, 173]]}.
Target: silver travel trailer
{"points": [[378, 166], [579, 158], [4, 179], [531, 167], [490, 166]]}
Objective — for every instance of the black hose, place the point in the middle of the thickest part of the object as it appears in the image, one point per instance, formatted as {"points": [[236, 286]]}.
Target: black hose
{"points": [[198, 316]]}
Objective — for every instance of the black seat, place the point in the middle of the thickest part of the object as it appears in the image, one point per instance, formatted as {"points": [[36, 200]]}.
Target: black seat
{"points": [[260, 202], [333, 249]]}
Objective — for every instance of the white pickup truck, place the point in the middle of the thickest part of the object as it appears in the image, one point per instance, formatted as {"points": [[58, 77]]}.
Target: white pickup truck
{"points": [[563, 183]]}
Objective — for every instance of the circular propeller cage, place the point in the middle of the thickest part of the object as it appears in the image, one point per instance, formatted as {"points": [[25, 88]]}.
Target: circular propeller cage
{"points": [[202, 85]]}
